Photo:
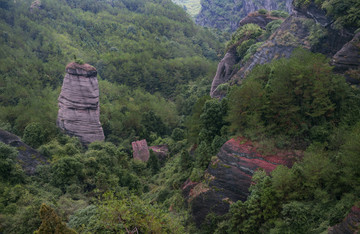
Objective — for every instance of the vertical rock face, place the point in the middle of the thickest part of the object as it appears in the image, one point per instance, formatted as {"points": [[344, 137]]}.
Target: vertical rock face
{"points": [[141, 150], [79, 109], [224, 72]]}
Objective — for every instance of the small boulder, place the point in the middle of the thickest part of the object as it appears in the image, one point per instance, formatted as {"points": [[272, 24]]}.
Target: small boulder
{"points": [[141, 150]]}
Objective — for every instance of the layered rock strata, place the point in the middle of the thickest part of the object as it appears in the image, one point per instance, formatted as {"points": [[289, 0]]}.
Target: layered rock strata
{"points": [[79, 109], [228, 177], [28, 157]]}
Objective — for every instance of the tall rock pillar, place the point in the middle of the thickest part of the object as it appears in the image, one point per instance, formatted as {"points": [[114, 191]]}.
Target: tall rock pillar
{"points": [[79, 109]]}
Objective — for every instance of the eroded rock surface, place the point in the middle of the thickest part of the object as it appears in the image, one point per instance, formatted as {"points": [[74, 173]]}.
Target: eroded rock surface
{"points": [[228, 177], [79, 108], [259, 19], [224, 72], [351, 223], [308, 28], [141, 150], [28, 157], [348, 60]]}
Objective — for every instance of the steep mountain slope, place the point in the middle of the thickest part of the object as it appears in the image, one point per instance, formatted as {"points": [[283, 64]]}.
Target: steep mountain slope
{"points": [[310, 28], [226, 14], [142, 44]]}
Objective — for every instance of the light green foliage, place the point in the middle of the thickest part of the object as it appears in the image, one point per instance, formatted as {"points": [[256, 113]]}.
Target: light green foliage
{"points": [[262, 11], [277, 13], [244, 33], [124, 213]]}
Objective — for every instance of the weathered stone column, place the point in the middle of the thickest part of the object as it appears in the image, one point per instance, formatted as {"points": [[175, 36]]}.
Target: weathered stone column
{"points": [[79, 108]]}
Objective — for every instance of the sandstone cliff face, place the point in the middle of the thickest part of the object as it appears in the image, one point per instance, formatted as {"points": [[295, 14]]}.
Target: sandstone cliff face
{"points": [[28, 157], [228, 177], [226, 14], [79, 109]]}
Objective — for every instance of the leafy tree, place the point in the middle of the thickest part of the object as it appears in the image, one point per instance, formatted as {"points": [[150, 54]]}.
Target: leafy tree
{"points": [[51, 222], [153, 163], [125, 213], [9, 170], [35, 135], [212, 119], [66, 171], [185, 160]]}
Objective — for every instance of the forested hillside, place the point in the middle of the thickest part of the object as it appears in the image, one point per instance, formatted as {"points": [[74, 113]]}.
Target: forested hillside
{"points": [[191, 6], [226, 14], [278, 152]]}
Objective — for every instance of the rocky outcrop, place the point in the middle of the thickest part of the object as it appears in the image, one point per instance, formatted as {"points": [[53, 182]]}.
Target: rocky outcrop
{"points": [[28, 157], [141, 150], [227, 67], [79, 108], [35, 5], [228, 177], [308, 28], [161, 151], [227, 14], [350, 225], [348, 60], [224, 72], [259, 19]]}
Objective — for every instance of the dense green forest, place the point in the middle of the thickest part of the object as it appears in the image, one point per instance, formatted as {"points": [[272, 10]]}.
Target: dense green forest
{"points": [[155, 68]]}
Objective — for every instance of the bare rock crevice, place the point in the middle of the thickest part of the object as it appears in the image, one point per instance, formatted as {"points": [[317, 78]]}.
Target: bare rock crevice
{"points": [[79, 108]]}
